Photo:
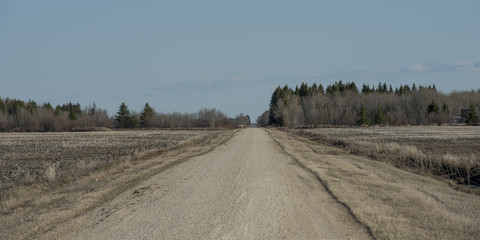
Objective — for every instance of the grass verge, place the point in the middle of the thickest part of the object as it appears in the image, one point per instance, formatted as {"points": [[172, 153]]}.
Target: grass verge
{"points": [[464, 171]]}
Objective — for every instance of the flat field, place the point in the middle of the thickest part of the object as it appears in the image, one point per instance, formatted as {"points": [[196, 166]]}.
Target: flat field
{"points": [[453, 151], [35, 157], [462, 141]]}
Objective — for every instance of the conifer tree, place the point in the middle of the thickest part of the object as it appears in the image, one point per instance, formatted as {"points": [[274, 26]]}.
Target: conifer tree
{"points": [[380, 87], [303, 91], [314, 89], [363, 118], [72, 115], [365, 88], [58, 110], [124, 118], [47, 106], [146, 115], [380, 117], [277, 96], [433, 107], [2, 106], [320, 89], [445, 108], [472, 118]]}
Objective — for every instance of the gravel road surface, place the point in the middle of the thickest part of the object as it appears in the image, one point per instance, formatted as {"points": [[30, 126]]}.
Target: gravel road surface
{"points": [[246, 188]]}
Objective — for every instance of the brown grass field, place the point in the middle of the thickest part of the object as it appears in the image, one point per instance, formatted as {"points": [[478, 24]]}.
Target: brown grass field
{"points": [[448, 151], [395, 202], [27, 158], [51, 178]]}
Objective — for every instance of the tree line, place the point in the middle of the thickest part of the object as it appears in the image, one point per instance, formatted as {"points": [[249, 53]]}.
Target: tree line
{"points": [[204, 118], [344, 104], [19, 115]]}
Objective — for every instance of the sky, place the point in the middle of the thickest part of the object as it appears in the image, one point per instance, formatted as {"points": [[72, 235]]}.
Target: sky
{"points": [[229, 55]]}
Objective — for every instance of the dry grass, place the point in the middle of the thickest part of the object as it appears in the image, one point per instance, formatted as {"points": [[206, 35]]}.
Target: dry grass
{"points": [[52, 197], [391, 202], [27, 158], [451, 152]]}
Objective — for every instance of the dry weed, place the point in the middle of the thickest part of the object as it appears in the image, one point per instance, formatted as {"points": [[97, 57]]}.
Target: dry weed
{"points": [[393, 203], [28, 158], [445, 151], [51, 171]]}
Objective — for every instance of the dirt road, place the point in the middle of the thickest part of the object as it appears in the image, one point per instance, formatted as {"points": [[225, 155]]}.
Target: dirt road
{"points": [[246, 188]]}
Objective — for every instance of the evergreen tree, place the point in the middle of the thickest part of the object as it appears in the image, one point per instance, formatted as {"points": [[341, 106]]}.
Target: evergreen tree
{"points": [[363, 118], [353, 87], [123, 117], [277, 96], [146, 115], [31, 106], [297, 90], [58, 110], [320, 89], [72, 115], [472, 118], [340, 87], [407, 89], [433, 107], [74, 110], [380, 117], [445, 108], [314, 89], [365, 88], [380, 87], [14, 106], [2, 106], [47, 106], [303, 91], [414, 87]]}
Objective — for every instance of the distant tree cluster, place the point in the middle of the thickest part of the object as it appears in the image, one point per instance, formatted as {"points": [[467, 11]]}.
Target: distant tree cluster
{"points": [[204, 118], [403, 89], [343, 104], [18, 115]]}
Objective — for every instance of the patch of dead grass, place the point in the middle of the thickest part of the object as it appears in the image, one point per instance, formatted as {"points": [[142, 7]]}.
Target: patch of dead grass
{"points": [[407, 149], [29, 210], [393, 203]]}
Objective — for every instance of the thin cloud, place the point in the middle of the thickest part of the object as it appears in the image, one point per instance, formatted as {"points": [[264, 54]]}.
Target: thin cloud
{"points": [[417, 68], [238, 79], [468, 66], [384, 74], [462, 66], [201, 85]]}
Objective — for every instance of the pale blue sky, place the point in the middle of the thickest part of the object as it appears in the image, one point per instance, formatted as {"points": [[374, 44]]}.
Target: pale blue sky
{"points": [[184, 55]]}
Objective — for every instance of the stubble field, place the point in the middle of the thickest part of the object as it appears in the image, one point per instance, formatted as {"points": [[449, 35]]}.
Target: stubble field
{"points": [[27, 158], [449, 151]]}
